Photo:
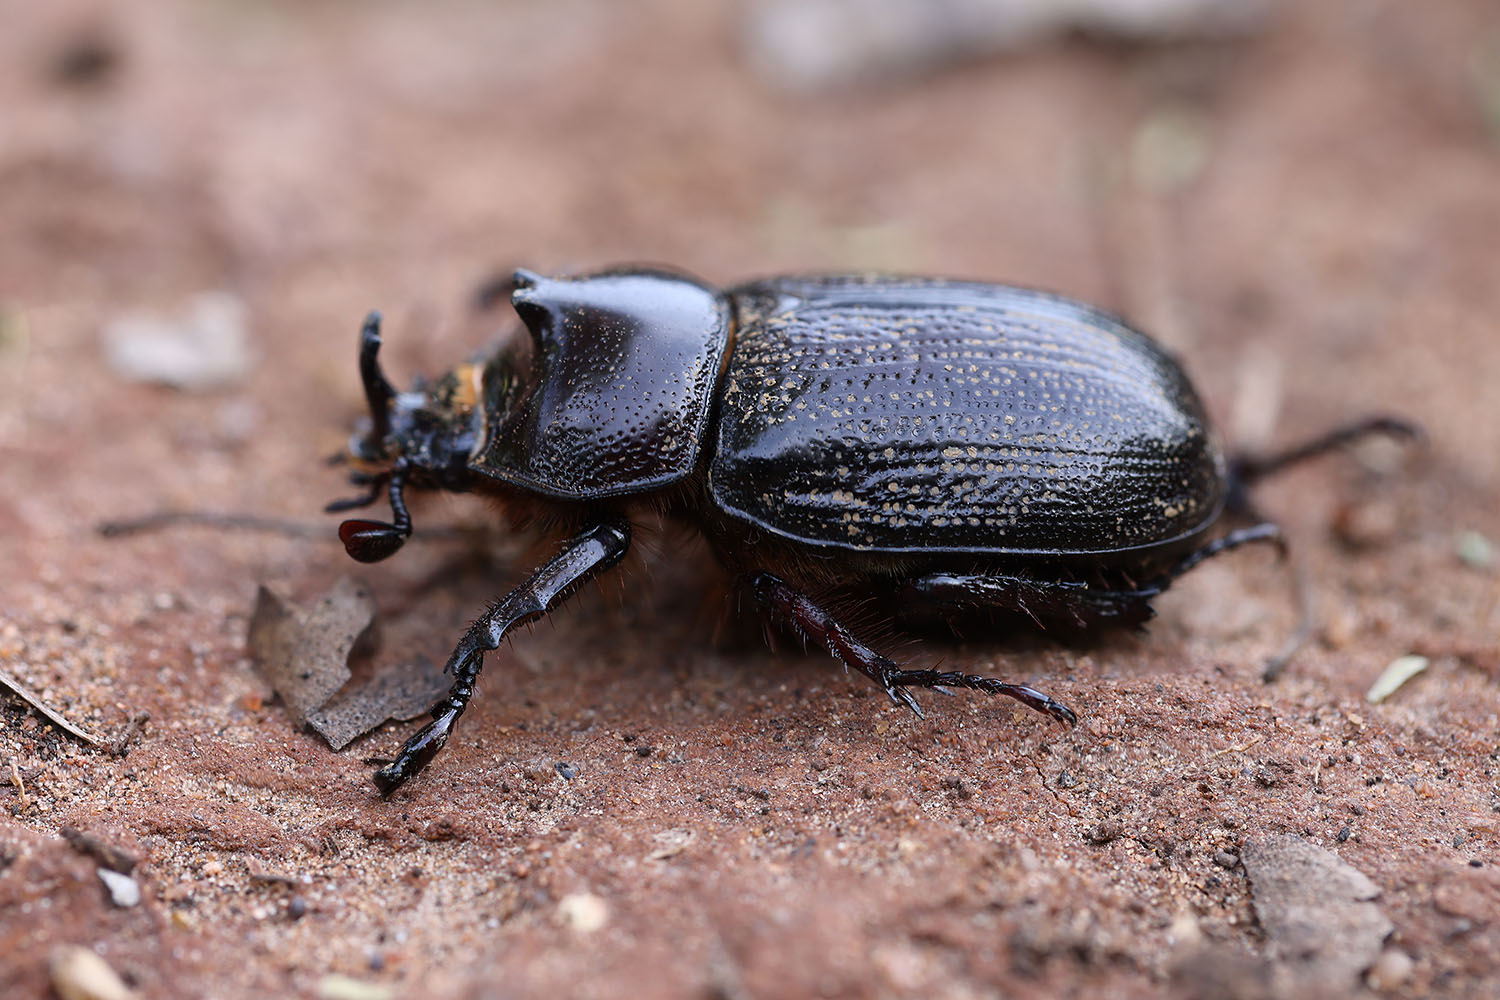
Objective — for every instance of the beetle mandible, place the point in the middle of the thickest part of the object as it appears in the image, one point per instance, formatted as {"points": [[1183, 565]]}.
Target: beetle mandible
{"points": [[961, 450]]}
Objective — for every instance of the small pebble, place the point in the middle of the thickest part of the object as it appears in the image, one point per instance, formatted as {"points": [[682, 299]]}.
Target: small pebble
{"points": [[1226, 860], [205, 348], [79, 974], [1390, 971], [337, 987], [567, 770], [124, 890], [1475, 550], [1102, 833], [1367, 524], [1400, 670], [583, 911]]}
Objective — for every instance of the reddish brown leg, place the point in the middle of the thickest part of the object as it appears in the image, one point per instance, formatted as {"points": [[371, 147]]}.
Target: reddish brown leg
{"points": [[812, 622]]}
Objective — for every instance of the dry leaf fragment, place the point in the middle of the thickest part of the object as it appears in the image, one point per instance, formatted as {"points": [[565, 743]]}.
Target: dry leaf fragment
{"points": [[107, 854], [1400, 670], [303, 651], [670, 843], [397, 691], [1321, 923]]}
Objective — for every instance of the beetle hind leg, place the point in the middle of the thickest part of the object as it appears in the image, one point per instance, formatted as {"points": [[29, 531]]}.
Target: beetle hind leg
{"points": [[1069, 606], [811, 621], [1061, 604]]}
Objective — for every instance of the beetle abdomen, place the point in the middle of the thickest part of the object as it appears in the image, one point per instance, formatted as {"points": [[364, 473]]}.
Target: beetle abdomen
{"points": [[912, 415]]}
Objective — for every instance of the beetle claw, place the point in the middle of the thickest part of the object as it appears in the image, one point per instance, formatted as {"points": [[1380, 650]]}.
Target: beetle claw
{"points": [[416, 752], [901, 696]]}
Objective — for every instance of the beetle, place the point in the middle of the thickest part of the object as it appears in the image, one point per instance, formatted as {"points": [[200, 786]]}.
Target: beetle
{"points": [[956, 450]]}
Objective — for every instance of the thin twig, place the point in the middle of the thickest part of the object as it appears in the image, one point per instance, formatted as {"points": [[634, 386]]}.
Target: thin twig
{"points": [[114, 858], [121, 746], [1241, 748], [15, 779], [212, 519], [323, 531], [35, 701]]}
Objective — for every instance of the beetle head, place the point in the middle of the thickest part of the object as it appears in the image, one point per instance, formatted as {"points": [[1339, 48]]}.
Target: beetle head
{"points": [[421, 438]]}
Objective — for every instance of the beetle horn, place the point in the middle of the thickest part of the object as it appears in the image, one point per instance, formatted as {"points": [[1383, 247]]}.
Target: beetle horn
{"points": [[378, 390]]}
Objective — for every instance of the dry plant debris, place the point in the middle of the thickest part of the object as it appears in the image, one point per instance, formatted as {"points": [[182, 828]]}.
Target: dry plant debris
{"points": [[304, 651], [1321, 922], [33, 699]]}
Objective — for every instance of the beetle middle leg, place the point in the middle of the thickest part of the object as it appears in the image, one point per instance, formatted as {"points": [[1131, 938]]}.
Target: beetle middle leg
{"points": [[584, 557], [811, 621]]}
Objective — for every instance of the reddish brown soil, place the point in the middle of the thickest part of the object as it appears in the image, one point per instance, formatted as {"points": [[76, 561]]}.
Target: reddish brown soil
{"points": [[752, 825]]}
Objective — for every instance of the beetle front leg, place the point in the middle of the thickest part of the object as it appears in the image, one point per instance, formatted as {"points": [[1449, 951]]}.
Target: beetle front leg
{"points": [[811, 621], [585, 556]]}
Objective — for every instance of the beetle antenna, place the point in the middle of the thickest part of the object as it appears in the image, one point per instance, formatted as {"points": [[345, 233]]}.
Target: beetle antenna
{"points": [[363, 500], [378, 390], [372, 541]]}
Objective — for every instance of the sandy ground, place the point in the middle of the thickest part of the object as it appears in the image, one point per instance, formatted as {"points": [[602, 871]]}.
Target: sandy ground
{"points": [[1310, 217]]}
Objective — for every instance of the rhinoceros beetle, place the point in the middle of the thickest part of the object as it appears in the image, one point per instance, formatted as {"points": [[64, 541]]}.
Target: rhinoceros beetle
{"points": [[954, 449]]}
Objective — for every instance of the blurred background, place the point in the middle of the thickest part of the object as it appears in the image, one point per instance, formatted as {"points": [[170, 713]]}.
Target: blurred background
{"points": [[199, 201]]}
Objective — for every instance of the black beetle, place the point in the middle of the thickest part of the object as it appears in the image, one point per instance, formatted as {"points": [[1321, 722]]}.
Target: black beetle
{"points": [[958, 450]]}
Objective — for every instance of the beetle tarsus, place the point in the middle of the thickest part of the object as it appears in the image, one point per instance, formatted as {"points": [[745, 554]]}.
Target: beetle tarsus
{"points": [[812, 622], [587, 555], [1025, 694], [418, 751]]}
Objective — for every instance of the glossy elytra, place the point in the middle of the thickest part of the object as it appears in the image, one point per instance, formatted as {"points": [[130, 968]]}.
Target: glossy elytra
{"points": [[948, 450]]}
